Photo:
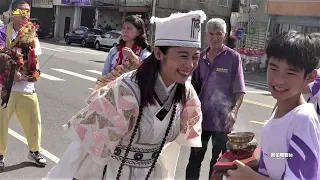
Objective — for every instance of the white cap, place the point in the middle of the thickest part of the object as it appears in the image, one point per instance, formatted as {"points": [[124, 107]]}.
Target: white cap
{"points": [[179, 29]]}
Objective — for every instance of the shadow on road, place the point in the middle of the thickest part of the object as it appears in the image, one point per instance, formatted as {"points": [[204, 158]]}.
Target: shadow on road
{"points": [[20, 166], [97, 61]]}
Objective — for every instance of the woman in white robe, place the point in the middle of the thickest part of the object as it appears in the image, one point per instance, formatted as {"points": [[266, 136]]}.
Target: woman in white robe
{"points": [[122, 131]]}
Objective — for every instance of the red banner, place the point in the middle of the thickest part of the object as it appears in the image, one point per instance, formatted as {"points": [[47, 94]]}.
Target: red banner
{"points": [[251, 52]]}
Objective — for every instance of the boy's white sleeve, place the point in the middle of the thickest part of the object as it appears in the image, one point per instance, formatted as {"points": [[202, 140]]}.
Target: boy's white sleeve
{"points": [[303, 160]]}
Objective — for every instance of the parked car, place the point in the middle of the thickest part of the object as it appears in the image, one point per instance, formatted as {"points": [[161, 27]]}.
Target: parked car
{"points": [[83, 35], [39, 32], [108, 39]]}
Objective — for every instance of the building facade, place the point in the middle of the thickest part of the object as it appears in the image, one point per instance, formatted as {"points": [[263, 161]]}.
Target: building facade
{"points": [[109, 14], [44, 11], [68, 14], [301, 15], [212, 8], [249, 25]]}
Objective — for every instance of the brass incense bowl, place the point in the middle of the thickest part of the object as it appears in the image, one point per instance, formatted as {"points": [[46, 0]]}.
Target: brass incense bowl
{"points": [[242, 147], [241, 137], [241, 142]]}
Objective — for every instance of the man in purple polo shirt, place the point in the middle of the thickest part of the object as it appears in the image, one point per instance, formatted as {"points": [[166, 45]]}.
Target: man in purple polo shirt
{"points": [[219, 83]]}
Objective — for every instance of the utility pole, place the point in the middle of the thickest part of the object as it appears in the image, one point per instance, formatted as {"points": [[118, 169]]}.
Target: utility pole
{"points": [[124, 15], [153, 27]]}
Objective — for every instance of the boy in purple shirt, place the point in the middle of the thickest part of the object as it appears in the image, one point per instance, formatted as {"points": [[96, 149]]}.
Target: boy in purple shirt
{"points": [[219, 82], [290, 140], [313, 88]]}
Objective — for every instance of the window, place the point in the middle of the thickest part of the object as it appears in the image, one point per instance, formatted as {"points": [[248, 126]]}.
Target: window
{"points": [[314, 29], [223, 3], [277, 29], [285, 27], [107, 35], [299, 28], [79, 31], [114, 35], [95, 32]]}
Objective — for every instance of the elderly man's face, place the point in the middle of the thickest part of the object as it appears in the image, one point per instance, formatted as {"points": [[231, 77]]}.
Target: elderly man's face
{"points": [[215, 38]]}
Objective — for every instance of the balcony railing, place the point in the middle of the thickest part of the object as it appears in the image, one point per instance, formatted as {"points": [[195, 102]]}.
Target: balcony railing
{"points": [[123, 2], [136, 2]]}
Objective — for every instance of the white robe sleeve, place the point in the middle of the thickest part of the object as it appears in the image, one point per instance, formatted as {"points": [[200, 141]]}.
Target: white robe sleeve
{"points": [[110, 114], [190, 132], [191, 119]]}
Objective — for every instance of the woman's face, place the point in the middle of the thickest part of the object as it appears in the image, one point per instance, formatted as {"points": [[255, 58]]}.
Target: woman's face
{"points": [[178, 64], [129, 32]]}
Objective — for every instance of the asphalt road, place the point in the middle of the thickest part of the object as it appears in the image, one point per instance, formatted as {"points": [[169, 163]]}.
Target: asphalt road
{"points": [[67, 74]]}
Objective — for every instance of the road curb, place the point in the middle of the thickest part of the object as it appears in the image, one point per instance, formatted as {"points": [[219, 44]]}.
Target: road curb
{"points": [[53, 40]]}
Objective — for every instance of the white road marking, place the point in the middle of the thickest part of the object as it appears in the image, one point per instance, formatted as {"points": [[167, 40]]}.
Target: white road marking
{"points": [[94, 71], [258, 92], [87, 50], [80, 51], [74, 51], [90, 88], [52, 78], [259, 104], [76, 74], [257, 82], [50, 49], [93, 53], [259, 122], [42, 151], [255, 85]]}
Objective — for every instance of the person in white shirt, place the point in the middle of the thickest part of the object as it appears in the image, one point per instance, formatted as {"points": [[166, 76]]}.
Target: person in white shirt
{"points": [[23, 98], [290, 140]]}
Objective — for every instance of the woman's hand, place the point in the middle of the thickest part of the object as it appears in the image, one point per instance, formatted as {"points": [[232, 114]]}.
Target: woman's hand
{"points": [[129, 53]]}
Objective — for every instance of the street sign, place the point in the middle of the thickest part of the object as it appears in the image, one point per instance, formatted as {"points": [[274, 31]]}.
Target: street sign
{"points": [[251, 19], [252, 31], [239, 33]]}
